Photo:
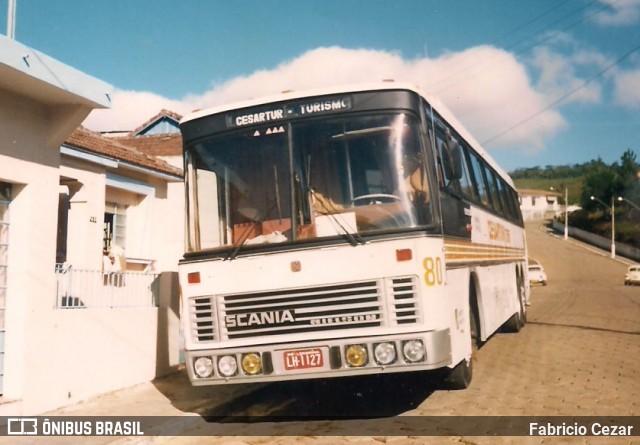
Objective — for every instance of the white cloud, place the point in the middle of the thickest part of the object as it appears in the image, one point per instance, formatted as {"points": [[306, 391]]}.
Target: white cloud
{"points": [[619, 13], [627, 89], [130, 109], [557, 75], [486, 88]]}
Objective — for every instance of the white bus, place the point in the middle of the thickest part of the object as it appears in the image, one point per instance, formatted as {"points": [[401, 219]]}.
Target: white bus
{"points": [[344, 232]]}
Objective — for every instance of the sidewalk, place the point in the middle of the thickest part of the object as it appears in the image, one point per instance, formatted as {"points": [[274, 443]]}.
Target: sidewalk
{"points": [[171, 401]]}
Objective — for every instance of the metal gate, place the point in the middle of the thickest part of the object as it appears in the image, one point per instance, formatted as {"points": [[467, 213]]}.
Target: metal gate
{"points": [[5, 199]]}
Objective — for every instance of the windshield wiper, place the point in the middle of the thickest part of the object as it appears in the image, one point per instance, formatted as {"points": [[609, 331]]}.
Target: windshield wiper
{"points": [[354, 238], [245, 235]]}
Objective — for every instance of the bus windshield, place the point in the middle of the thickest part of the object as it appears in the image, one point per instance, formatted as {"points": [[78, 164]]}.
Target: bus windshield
{"points": [[345, 176]]}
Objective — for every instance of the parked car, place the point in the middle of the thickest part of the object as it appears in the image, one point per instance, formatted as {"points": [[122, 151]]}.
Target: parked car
{"points": [[633, 275], [537, 275]]}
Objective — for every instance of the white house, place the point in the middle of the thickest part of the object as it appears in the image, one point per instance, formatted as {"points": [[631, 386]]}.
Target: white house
{"points": [[41, 102], [539, 204], [114, 195], [70, 327]]}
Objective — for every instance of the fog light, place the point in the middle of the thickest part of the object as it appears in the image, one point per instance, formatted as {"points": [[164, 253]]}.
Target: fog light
{"points": [[251, 363], [413, 350], [203, 367], [227, 365], [385, 353], [356, 355]]}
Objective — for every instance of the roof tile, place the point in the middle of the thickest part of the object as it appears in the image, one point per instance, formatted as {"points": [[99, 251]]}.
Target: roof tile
{"points": [[156, 145], [90, 141]]}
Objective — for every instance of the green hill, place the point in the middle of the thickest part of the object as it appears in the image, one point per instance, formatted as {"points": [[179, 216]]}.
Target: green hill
{"points": [[619, 182]]}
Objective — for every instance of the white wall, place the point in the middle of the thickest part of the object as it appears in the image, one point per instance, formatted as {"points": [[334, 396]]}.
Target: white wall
{"points": [[172, 231], [27, 161], [86, 352], [86, 213], [55, 357]]}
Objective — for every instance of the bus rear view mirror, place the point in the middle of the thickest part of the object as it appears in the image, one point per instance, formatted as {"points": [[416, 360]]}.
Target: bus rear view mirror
{"points": [[452, 160]]}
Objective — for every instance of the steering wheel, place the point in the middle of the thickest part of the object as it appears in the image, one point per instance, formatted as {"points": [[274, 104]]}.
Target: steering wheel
{"points": [[375, 198]]}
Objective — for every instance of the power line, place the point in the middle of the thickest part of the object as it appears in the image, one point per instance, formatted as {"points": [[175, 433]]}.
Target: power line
{"points": [[480, 66], [493, 41], [533, 20], [565, 96], [509, 33]]}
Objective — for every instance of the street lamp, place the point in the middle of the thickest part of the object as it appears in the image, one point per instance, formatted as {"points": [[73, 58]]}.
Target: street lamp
{"points": [[620, 198], [613, 222], [566, 212]]}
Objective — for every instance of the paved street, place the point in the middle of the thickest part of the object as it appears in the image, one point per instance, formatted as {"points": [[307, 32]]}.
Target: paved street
{"points": [[579, 355]]}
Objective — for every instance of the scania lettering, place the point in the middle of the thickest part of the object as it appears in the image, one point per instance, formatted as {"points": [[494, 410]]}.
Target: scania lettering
{"points": [[259, 318], [366, 232]]}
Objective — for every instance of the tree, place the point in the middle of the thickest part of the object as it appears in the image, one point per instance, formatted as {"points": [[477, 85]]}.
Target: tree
{"points": [[628, 171], [601, 181], [610, 181]]}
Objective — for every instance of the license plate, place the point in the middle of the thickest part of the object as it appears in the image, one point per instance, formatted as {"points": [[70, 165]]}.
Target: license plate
{"points": [[303, 359]]}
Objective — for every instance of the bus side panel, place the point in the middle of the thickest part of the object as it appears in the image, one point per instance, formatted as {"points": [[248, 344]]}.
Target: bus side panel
{"points": [[498, 297], [457, 294]]}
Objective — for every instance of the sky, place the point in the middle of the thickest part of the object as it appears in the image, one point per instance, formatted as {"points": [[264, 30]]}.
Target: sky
{"points": [[537, 82]]}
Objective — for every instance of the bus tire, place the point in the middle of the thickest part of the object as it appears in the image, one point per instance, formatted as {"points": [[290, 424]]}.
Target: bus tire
{"points": [[513, 324], [460, 376], [517, 321]]}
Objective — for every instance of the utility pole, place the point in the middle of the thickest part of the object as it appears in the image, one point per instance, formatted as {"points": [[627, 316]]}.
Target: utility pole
{"points": [[11, 20], [613, 227], [566, 213]]}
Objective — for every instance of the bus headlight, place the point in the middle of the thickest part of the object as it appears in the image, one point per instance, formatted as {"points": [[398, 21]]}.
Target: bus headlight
{"points": [[385, 353], [251, 363], [356, 355], [227, 365], [413, 350], [203, 367]]}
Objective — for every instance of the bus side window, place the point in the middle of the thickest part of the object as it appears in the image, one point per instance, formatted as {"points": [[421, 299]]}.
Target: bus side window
{"points": [[516, 200], [466, 183], [510, 212], [479, 180], [441, 177], [450, 159], [493, 189]]}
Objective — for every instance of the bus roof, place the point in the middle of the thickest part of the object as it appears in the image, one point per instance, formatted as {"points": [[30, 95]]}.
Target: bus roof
{"points": [[355, 88]]}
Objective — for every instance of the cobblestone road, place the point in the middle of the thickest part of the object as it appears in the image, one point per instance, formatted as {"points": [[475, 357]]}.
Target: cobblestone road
{"points": [[579, 355]]}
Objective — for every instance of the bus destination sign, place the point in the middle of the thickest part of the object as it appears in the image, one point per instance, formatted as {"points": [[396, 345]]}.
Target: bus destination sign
{"points": [[292, 110]]}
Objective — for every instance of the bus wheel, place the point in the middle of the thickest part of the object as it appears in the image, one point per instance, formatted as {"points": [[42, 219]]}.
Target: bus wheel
{"points": [[460, 376], [517, 320]]}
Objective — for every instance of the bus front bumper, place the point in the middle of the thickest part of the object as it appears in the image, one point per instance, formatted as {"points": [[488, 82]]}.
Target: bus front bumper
{"points": [[320, 359]]}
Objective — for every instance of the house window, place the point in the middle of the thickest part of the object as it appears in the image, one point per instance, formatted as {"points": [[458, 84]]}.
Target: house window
{"points": [[115, 225], [63, 222]]}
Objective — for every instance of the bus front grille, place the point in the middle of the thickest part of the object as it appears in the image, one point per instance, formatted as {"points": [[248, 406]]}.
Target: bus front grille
{"points": [[405, 304], [202, 319], [374, 303], [314, 309]]}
